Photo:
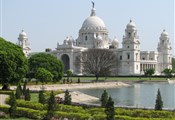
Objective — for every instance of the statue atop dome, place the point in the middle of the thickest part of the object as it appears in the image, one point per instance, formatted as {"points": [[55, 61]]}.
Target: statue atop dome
{"points": [[93, 4]]}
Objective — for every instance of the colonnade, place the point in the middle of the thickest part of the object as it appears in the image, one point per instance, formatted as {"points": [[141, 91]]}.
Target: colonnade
{"points": [[144, 66]]}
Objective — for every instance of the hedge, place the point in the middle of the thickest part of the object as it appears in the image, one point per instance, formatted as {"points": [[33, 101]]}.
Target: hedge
{"points": [[6, 92], [31, 105], [30, 113], [71, 115], [68, 108], [144, 113], [118, 117], [4, 108]]}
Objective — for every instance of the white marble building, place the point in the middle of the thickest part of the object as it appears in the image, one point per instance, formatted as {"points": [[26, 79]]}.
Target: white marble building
{"points": [[23, 42], [132, 61]]}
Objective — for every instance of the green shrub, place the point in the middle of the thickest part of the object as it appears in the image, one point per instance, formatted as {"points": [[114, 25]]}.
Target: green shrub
{"points": [[99, 116], [4, 108], [5, 92], [31, 105], [30, 113], [71, 115], [118, 117], [93, 111], [68, 108], [144, 113]]}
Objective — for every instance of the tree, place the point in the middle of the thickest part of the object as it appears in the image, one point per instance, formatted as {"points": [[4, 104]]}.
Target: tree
{"points": [[12, 103], [18, 92], [13, 64], [43, 75], [41, 99], [69, 73], [27, 95], [173, 65], [67, 98], [24, 88], [98, 62], [51, 106], [159, 102], [48, 62], [104, 99], [78, 80], [149, 72], [168, 72], [109, 110]]}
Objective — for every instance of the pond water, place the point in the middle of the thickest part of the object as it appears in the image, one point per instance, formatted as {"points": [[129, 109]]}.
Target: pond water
{"points": [[139, 95]]}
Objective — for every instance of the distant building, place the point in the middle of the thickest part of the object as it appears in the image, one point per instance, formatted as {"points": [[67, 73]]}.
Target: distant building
{"points": [[23, 42], [131, 61]]}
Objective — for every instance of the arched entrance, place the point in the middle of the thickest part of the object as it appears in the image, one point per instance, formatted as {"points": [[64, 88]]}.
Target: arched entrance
{"points": [[66, 62]]}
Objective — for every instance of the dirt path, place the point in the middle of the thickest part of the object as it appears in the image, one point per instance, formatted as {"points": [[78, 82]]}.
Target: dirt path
{"points": [[76, 86], [3, 98]]}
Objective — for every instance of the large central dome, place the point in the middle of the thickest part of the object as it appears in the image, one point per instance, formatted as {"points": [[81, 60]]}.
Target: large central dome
{"points": [[93, 22], [93, 33]]}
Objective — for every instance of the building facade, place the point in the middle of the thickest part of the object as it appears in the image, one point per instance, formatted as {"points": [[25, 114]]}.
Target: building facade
{"points": [[131, 61]]}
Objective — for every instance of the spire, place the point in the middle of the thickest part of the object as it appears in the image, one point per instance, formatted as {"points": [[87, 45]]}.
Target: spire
{"points": [[93, 9]]}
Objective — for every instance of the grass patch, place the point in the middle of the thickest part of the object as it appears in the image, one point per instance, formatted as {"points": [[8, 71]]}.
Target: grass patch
{"points": [[117, 78], [34, 97]]}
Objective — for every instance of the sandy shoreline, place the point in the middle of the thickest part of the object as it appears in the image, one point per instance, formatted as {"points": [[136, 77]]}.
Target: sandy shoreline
{"points": [[76, 86]]}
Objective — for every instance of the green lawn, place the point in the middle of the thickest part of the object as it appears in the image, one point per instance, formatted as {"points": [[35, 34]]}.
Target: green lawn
{"points": [[116, 78], [34, 97]]}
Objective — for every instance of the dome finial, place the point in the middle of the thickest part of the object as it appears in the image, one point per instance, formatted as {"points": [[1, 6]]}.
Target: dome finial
{"points": [[130, 20], [163, 30], [93, 4], [93, 9]]}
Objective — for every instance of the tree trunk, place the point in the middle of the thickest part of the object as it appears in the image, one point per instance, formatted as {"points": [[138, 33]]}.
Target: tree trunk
{"points": [[97, 78]]}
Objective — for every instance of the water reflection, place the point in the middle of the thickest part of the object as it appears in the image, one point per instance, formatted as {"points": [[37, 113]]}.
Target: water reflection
{"points": [[141, 95]]}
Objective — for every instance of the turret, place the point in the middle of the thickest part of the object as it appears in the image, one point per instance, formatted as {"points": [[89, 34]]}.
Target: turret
{"points": [[164, 51], [131, 50], [23, 42]]}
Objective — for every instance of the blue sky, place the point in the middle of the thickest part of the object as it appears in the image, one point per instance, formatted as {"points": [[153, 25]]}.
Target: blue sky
{"points": [[47, 22]]}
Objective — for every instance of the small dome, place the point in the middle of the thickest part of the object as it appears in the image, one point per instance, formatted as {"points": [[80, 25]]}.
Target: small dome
{"points": [[115, 42], [22, 33], [131, 25], [93, 22], [164, 33]]}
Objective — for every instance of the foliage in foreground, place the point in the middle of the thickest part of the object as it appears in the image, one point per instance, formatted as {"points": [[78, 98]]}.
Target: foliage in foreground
{"points": [[14, 64], [34, 110]]}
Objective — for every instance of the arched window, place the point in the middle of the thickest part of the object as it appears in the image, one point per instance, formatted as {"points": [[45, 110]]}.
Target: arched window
{"points": [[128, 56], [86, 37], [66, 61], [120, 57]]}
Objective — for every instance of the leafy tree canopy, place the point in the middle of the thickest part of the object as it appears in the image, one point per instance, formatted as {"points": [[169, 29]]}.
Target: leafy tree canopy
{"points": [[168, 72], [149, 72], [69, 73], [13, 63], [43, 75], [48, 62]]}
